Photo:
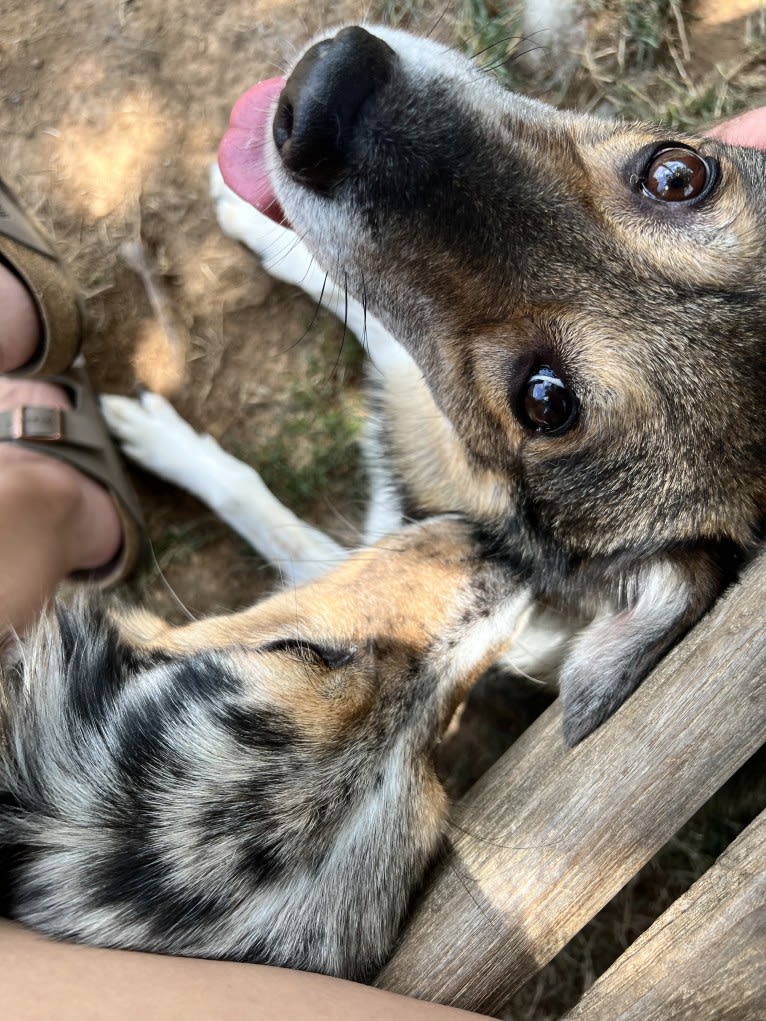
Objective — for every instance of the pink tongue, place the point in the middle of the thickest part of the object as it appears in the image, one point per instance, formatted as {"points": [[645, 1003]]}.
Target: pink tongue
{"points": [[242, 152]]}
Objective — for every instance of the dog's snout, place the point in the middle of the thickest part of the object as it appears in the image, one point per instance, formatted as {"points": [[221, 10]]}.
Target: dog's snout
{"points": [[319, 106]]}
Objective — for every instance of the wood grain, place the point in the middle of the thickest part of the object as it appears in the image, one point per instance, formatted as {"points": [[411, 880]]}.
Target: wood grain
{"points": [[704, 959], [550, 834]]}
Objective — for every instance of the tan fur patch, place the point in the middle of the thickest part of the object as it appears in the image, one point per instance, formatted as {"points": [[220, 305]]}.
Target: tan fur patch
{"points": [[386, 603], [430, 458]]}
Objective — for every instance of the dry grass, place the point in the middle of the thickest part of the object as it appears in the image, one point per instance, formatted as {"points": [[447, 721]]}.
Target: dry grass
{"points": [[636, 59]]}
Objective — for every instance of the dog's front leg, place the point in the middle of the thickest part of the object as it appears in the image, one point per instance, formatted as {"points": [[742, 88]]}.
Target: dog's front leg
{"points": [[154, 435], [614, 653]]}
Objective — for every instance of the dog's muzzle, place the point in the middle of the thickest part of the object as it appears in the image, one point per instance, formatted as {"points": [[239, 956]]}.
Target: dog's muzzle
{"points": [[319, 107]]}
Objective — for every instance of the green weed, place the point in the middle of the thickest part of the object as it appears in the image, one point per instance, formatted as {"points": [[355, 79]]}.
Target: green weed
{"points": [[311, 458]]}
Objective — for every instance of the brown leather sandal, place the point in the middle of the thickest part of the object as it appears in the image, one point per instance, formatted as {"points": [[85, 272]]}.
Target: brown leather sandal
{"points": [[78, 436], [25, 250]]}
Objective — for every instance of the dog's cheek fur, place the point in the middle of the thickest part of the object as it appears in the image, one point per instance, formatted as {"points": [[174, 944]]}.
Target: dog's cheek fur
{"points": [[147, 803]]}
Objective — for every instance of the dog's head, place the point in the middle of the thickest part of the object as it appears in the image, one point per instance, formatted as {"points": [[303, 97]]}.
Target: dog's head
{"points": [[586, 300]]}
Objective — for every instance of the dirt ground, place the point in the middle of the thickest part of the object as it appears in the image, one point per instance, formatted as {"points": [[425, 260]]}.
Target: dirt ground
{"points": [[110, 115]]}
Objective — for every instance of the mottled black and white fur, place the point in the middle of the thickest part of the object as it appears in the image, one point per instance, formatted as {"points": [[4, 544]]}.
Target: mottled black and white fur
{"points": [[256, 787]]}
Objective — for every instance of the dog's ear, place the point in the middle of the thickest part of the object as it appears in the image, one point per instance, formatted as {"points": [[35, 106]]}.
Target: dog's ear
{"points": [[611, 657]]}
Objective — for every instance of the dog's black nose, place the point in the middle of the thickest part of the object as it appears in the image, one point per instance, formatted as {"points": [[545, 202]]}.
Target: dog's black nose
{"points": [[318, 109]]}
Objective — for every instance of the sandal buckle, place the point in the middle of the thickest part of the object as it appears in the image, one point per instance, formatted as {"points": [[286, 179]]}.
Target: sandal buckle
{"points": [[46, 427]]}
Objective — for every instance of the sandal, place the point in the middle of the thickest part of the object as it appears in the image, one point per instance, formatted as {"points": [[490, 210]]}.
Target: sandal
{"points": [[78, 436], [25, 251]]}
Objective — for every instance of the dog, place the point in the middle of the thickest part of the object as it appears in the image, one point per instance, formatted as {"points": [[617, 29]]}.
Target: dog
{"points": [[576, 381], [258, 786]]}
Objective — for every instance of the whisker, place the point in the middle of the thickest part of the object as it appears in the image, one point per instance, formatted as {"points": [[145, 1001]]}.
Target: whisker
{"points": [[438, 21], [314, 317], [168, 587], [345, 325], [363, 339], [464, 882], [498, 42], [502, 845]]}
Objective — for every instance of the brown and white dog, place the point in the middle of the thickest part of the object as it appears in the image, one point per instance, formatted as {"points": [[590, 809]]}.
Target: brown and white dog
{"points": [[579, 368]]}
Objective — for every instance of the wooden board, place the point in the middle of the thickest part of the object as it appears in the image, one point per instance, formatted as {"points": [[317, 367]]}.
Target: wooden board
{"points": [[550, 834], [704, 959]]}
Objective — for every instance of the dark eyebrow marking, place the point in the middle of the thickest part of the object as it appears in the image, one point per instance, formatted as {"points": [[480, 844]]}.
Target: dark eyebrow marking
{"points": [[330, 656]]}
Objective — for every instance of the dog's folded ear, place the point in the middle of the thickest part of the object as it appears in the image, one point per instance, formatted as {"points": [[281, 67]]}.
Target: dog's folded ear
{"points": [[611, 656]]}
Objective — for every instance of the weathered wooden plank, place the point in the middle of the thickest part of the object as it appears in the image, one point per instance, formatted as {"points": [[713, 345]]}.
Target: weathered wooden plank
{"points": [[549, 835], [704, 959]]}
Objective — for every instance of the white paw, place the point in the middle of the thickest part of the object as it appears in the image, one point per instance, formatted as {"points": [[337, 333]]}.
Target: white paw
{"points": [[280, 251], [242, 222], [153, 434]]}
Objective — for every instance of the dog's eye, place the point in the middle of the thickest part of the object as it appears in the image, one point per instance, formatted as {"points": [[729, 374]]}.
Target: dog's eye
{"points": [[676, 174], [546, 404]]}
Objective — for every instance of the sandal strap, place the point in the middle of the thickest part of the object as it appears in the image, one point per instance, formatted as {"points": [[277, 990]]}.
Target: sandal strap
{"points": [[79, 437], [29, 423], [27, 253]]}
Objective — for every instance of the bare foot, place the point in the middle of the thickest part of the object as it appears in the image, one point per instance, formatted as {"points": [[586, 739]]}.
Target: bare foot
{"points": [[20, 326], [88, 532]]}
